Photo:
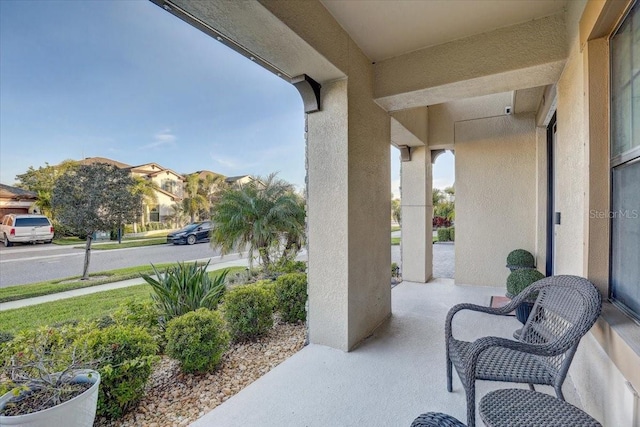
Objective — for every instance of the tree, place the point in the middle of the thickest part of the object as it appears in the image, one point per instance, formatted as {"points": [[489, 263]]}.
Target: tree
{"points": [[194, 201], [147, 191], [95, 197], [396, 210], [209, 187], [265, 215], [42, 181]]}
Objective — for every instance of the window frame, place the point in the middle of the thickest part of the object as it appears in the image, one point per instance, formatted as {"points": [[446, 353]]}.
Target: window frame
{"points": [[628, 157]]}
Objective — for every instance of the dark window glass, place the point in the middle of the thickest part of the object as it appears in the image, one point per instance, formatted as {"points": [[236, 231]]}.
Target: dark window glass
{"points": [[154, 214], [32, 222], [625, 164]]}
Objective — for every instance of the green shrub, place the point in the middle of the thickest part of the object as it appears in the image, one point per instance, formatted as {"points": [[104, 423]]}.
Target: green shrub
{"points": [[443, 235], [127, 229], [198, 340], [186, 287], [395, 270], [291, 297], [105, 321], [143, 314], [126, 357], [521, 258], [518, 280], [5, 337], [452, 234], [286, 266], [248, 311], [57, 344]]}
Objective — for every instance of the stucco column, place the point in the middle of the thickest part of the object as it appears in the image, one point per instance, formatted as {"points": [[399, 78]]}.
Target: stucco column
{"points": [[348, 215], [417, 216]]}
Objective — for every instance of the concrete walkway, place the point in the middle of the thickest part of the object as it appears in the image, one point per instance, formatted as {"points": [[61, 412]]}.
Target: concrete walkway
{"points": [[444, 258]]}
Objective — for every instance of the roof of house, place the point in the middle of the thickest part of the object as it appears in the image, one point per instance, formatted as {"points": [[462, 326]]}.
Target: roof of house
{"points": [[94, 160], [9, 192], [232, 179]]}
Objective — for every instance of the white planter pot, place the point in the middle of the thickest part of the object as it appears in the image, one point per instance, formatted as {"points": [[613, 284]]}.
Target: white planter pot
{"points": [[77, 412]]}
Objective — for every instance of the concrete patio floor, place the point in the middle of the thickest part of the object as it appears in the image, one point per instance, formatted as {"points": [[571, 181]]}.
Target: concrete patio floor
{"points": [[392, 377]]}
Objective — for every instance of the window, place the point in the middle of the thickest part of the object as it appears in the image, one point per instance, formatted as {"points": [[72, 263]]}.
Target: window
{"points": [[32, 222], [154, 214], [625, 163]]}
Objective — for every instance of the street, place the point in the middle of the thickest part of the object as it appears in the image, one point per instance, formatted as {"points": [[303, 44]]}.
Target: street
{"points": [[23, 264]]}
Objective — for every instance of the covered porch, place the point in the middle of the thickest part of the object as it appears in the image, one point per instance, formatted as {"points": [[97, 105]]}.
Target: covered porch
{"points": [[389, 379], [521, 92]]}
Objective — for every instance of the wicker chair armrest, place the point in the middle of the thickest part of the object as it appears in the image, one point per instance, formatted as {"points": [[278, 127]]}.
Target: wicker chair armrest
{"points": [[500, 311]]}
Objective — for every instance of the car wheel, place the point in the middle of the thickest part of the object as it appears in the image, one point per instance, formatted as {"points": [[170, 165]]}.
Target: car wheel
{"points": [[191, 239], [7, 243], [47, 242]]}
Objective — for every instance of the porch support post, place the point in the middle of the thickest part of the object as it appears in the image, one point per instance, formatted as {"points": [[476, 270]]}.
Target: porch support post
{"points": [[417, 216], [348, 200]]}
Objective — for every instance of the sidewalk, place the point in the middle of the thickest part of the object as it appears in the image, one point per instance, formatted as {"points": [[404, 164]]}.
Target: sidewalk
{"points": [[243, 262]]}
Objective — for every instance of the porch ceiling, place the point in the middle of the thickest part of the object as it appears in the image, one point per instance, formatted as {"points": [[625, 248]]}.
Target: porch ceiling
{"points": [[384, 29]]}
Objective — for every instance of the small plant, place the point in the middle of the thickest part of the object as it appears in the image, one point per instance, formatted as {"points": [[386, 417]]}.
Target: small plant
{"points": [[395, 270], [186, 287], [452, 234], [127, 355], [5, 337], [518, 280], [443, 235], [248, 311], [291, 297], [286, 266], [45, 370], [143, 314], [520, 258], [198, 340]]}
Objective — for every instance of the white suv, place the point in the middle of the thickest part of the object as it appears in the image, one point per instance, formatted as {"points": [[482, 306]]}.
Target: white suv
{"points": [[25, 229]]}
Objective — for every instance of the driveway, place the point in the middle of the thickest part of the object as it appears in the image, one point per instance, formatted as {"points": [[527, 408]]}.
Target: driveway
{"points": [[443, 259]]}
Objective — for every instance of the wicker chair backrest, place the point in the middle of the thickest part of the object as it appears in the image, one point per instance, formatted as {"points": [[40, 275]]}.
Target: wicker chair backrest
{"points": [[565, 309]]}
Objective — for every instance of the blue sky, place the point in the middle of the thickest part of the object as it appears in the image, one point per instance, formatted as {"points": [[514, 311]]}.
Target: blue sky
{"points": [[128, 81]]}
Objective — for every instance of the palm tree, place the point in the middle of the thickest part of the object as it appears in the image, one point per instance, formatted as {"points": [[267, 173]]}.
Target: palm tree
{"points": [[194, 201], [147, 189], [266, 216]]}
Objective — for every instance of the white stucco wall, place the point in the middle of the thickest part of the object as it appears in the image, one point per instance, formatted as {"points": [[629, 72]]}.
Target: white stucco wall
{"points": [[495, 195], [571, 169], [605, 368]]}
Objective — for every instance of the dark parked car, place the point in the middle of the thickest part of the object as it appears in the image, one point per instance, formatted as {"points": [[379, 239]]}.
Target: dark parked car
{"points": [[192, 233]]}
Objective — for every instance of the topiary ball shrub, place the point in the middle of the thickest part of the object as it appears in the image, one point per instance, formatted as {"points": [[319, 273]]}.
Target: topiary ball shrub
{"points": [[291, 297], [518, 280], [126, 356], [198, 340], [248, 311], [520, 258]]}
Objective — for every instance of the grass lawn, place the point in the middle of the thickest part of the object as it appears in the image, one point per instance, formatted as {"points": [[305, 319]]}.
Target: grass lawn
{"points": [[125, 244], [75, 241], [14, 293], [395, 228], [85, 307], [395, 240]]}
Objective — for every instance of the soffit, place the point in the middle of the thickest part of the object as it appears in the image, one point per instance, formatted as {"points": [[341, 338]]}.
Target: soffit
{"points": [[385, 29]]}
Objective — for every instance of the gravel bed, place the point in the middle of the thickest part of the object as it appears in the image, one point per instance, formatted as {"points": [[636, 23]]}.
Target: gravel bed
{"points": [[177, 399]]}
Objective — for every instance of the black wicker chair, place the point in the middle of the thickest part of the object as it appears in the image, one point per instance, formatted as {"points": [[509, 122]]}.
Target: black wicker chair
{"points": [[565, 309]]}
